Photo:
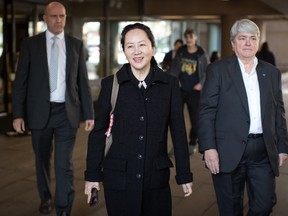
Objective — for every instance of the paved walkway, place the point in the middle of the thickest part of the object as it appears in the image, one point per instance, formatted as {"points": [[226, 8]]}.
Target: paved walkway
{"points": [[18, 195]]}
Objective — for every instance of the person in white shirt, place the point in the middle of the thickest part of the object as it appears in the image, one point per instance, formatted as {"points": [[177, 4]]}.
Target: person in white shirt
{"points": [[48, 95], [242, 125]]}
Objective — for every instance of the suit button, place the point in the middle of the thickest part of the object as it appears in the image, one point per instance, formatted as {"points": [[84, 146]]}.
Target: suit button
{"points": [[141, 137], [147, 99], [138, 176], [139, 156], [141, 118]]}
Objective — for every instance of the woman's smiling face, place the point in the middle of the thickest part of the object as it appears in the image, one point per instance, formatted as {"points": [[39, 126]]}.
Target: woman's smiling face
{"points": [[138, 50]]}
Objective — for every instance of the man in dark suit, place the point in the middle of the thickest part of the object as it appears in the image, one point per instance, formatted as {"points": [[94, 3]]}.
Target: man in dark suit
{"points": [[242, 126], [52, 112]]}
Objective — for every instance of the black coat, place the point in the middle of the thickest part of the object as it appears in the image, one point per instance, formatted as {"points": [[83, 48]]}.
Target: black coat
{"points": [[136, 171]]}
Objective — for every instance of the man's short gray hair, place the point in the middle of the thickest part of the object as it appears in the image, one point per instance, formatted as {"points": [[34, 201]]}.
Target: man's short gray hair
{"points": [[244, 25]]}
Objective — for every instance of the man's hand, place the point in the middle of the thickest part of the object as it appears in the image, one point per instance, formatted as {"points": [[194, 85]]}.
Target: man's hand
{"points": [[198, 87], [212, 160], [88, 188], [282, 158], [187, 189], [89, 124], [19, 125]]}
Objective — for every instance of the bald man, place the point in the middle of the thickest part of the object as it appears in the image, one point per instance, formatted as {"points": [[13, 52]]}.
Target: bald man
{"points": [[52, 112]]}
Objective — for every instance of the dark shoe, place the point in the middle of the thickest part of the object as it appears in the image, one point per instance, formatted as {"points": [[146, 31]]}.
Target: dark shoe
{"points": [[45, 207], [192, 143], [64, 214], [171, 152], [193, 149]]}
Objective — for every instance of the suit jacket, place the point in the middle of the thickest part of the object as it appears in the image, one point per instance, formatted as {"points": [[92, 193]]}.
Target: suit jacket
{"points": [[31, 91], [224, 115]]}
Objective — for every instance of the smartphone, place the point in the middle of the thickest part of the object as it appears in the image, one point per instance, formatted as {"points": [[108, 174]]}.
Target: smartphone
{"points": [[94, 197]]}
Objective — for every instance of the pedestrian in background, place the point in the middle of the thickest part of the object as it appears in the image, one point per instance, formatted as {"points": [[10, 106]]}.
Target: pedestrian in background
{"points": [[168, 58], [265, 54], [214, 56], [189, 65]]}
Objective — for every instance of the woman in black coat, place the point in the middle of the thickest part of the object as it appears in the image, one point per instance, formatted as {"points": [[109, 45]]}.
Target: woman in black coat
{"points": [[135, 173]]}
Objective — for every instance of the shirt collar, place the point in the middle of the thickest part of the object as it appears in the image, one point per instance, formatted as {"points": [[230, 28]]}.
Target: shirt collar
{"points": [[50, 35], [255, 62], [147, 79], [158, 74]]}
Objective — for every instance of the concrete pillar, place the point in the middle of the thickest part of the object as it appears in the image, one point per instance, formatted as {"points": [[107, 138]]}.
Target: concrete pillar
{"points": [[262, 27], [227, 22], [214, 37], [74, 26]]}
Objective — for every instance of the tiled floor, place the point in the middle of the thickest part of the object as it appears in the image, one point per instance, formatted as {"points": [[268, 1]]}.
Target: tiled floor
{"points": [[18, 195]]}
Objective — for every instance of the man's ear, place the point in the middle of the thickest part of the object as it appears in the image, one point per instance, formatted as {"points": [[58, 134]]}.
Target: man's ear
{"points": [[232, 44]]}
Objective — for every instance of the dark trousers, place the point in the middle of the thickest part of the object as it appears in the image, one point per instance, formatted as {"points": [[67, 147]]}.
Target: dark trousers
{"points": [[255, 171], [58, 128], [192, 99]]}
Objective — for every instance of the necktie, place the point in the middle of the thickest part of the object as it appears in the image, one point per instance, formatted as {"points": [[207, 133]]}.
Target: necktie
{"points": [[54, 64]]}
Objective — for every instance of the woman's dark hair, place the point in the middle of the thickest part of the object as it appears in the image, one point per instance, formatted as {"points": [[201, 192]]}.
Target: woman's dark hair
{"points": [[265, 47], [178, 41], [214, 56], [141, 26]]}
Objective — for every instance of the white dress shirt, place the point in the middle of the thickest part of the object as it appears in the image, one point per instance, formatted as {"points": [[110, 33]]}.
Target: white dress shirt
{"points": [[253, 96], [59, 94]]}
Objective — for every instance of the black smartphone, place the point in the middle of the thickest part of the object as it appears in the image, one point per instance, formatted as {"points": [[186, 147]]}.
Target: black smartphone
{"points": [[94, 197]]}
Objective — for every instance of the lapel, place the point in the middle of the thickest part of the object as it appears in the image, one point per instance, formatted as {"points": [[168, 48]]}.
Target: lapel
{"points": [[263, 78], [236, 76], [68, 54], [43, 53], [124, 77]]}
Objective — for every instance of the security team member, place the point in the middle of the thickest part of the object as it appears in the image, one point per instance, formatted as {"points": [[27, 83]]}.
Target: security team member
{"points": [[242, 126], [52, 110]]}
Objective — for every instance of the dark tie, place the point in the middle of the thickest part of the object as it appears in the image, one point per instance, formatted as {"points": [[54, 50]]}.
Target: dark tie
{"points": [[54, 64]]}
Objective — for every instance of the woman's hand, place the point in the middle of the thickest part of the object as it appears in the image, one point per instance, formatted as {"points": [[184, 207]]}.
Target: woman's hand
{"points": [[187, 189], [88, 188]]}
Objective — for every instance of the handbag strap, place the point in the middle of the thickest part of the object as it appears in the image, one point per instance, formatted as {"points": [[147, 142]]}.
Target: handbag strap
{"points": [[114, 93]]}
